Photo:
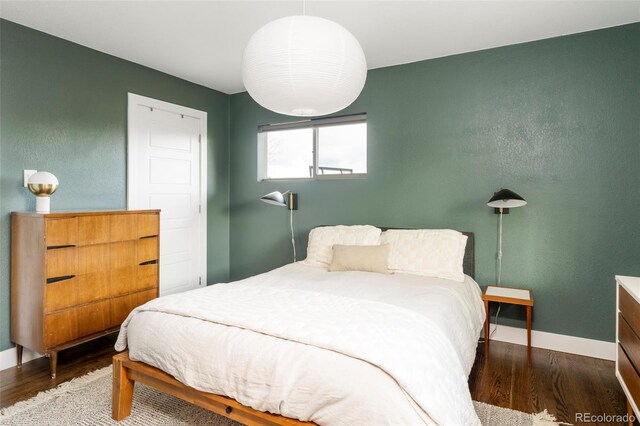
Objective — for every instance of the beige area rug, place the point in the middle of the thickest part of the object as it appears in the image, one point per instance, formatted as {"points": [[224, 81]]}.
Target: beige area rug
{"points": [[86, 400]]}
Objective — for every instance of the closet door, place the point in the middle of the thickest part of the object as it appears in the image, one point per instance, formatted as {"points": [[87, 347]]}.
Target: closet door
{"points": [[167, 171]]}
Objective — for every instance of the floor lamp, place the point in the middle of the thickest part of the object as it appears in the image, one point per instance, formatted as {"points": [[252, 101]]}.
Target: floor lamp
{"points": [[277, 198]]}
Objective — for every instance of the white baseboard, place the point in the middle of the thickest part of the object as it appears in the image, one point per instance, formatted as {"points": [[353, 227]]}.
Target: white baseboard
{"points": [[556, 342], [8, 357]]}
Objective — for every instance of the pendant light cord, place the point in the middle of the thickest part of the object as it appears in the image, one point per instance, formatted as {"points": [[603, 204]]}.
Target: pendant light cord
{"points": [[293, 240]]}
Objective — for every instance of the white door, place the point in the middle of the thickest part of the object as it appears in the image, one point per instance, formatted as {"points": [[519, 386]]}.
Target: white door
{"points": [[167, 171]]}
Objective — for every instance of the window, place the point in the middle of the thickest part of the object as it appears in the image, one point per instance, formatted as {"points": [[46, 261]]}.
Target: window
{"points": [[321, 148]]}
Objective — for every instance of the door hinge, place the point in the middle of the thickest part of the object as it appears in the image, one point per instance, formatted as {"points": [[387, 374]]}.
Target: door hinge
{"points": [[200, 138], [199, 280], [199, 208]]}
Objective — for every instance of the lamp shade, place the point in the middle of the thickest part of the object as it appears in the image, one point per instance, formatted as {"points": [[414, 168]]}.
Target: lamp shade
{"points": [[42, 183], [506, 199], [276, 198], [303, 66]]}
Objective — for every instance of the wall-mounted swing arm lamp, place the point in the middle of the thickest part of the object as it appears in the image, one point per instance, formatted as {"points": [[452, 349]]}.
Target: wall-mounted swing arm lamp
{"points": [[502, 201], [277, 198]]}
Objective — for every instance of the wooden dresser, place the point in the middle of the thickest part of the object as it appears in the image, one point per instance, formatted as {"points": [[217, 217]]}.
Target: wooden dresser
{"points": [[628, 340], [76, 276]]}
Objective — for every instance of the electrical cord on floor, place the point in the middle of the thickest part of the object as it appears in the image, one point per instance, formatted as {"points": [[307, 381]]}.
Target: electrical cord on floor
{"points": [[498, 268], [498, 274], [496, 322], [481, 340]]}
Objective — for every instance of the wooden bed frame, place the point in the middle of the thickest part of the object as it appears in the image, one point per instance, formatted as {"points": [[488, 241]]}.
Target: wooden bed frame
{"points": [[126, 372]]}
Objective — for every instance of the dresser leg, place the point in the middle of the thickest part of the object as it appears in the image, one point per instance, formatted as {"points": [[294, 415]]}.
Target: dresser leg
{"points": [[19, 356], [630, 413], [53, 363]]}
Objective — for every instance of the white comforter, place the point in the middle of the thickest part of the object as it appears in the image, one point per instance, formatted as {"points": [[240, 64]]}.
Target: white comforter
{"points": [[328, 347]]}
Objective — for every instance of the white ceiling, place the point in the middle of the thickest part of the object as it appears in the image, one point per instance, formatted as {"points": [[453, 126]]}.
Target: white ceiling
{"points": [[203, 41]]}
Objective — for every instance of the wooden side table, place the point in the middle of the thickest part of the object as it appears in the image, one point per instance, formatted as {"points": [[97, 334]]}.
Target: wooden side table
{"points": [[514, 296]]}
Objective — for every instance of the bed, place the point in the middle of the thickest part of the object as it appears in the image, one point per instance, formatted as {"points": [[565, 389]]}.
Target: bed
{"points": [[301, 345]]}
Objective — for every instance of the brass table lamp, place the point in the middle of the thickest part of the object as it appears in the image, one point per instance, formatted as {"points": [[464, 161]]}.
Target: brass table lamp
{"points": [[42, 185]]}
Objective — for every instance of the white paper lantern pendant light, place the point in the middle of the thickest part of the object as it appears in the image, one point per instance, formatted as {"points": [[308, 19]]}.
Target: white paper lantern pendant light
{"points": [[303, 66]]}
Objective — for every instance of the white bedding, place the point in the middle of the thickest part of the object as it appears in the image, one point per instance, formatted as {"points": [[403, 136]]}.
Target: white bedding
{"points": [[328, 347]]}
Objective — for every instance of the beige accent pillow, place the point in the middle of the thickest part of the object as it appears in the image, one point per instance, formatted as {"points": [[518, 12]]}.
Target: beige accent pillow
{"points": [[360, 258], [323, 238]]}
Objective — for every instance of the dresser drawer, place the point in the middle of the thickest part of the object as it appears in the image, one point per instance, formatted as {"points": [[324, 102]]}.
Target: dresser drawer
{"points": [[93, 230], [148, 276], [133, 253], [629, 374], [148, 225], [629, 341], [630, 309], [124, 227], [65, 326], [80, 260], [122, 306], [61, 262], [147, 249], [61, 232], [134, 226], [123, 254], [93, 258], [133, 278], [76, 291]]}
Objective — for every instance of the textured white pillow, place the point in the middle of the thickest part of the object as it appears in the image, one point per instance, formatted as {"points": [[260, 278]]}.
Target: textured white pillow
{"points": [[322, 239], [429, 252]]}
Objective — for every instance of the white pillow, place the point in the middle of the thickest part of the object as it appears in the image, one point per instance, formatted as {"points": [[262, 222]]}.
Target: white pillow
{"points": [[322, 239], [429, 252]]}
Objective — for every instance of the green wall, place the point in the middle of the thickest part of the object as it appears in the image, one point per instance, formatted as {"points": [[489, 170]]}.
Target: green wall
{"points": [[63, 108], [556, 120]]}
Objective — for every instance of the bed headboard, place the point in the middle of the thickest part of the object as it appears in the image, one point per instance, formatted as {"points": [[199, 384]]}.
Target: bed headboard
{"points": [[469, 261]]}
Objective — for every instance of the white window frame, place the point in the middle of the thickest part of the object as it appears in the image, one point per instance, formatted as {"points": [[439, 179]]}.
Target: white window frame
{"points": [[314, 124]]}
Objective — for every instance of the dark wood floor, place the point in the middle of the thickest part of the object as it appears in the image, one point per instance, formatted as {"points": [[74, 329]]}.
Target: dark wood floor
{"points": [[562, 383], [23, 383]]}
